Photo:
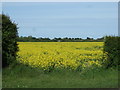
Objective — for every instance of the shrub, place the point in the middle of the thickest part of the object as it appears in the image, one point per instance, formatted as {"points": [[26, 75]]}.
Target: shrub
{"points": [[9, 41], [0, 42], [111, 46]]}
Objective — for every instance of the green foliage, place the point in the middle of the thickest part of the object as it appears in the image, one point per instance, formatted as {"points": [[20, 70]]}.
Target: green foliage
{"points": [[0, 43], [111, 46], [9, 41]]}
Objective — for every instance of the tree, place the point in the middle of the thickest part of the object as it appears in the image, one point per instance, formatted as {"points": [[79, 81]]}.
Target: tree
{"points": [[0, 41], [9, 41], [88, 38]]}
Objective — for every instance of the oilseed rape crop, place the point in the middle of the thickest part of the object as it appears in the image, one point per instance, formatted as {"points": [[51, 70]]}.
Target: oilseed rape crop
{"points": [[56, 55]]}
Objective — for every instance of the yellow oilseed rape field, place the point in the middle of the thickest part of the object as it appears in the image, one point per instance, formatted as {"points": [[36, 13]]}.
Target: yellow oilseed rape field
{"points": [[56, 55]]}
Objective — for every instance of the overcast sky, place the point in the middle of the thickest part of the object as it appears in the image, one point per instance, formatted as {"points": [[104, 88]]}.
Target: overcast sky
{"points": [[79, 19]]}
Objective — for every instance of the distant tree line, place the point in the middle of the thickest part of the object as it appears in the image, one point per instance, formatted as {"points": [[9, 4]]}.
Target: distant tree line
{"points": [[66, 39]]}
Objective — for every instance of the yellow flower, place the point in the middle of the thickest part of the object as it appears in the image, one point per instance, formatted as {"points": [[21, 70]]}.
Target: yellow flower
{"points": [[60, 54]]}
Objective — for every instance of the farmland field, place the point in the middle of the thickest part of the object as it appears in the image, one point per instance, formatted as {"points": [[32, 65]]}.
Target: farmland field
{"points": [[57, 55], [60, 65]]}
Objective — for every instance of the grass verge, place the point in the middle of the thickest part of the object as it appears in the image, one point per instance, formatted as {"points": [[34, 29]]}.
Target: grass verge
{"points": [[22, 76]]}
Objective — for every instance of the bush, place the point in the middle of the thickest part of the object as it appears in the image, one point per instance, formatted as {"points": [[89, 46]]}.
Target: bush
{"points": [[9, 41], [111, 46], [0, 34]]}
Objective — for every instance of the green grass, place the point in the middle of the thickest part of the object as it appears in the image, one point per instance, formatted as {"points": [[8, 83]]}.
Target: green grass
{"points": [[0, 78], [25, 77]]}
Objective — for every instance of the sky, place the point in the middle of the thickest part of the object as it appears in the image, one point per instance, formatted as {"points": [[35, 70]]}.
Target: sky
{"points": [[64, 19]]}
